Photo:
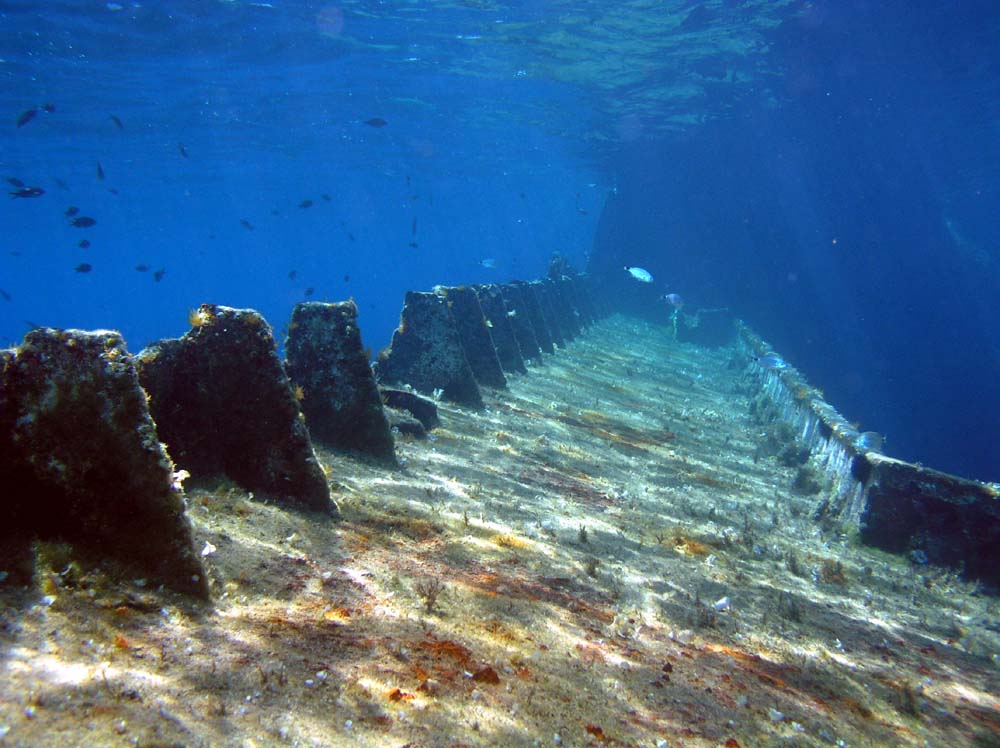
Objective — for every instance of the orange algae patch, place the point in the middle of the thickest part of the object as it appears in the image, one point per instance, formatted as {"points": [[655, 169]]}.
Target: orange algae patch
{"points": [[688, 547], [511, 541], [486, 675], [448, 648]]}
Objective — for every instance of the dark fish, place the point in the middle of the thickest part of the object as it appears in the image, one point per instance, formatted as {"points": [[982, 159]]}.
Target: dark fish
{"points": [[413, 227], [412, 244], [350, 236], [28, 192], [6, 296], [291, 275], [100, 171], [274, 212], [32, 325], [306, 204], [15, 182], [376, 122], [347, 279], [158, 275], [407, 180], [118, 122], [49, 108], [83, 243], [26, 116], [113, 190], [71, 211], [326, 197], [83, 222], [246, 224], [182, 150], [60, 183], [84, 267], [310, 291], [142, 268]]}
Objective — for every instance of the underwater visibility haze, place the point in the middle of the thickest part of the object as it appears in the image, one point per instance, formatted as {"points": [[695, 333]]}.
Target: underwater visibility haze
{"points": [[827, 171], [652, 325]]}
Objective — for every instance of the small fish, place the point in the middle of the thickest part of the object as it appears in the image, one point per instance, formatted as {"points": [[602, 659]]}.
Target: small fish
{"points": [[309, 292], [83, 222], [326, 197], [182, 150], [512, 313], [350, 236], [306, 204], [113, 190], [772, 362], [292, 275], [376, 122], [100, 172], [347, 279], [84, 267], [142, 268], [14, 182], [674, 299], [639, 274], [28, 192], [118, 123], [83, 243], [158, 275], [26, 116], [71, 211], [48, 108], [870, 441], [6, 296], [60, 183], [246, 224], [412, 245], [413, 227], [581, 211], [488, 262]]}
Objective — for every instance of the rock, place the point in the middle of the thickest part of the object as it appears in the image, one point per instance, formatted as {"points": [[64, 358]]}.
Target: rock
{"points": [[223, 405], [950, 520], [81, 463], [426, 352], [574, 292], [546, 305], [331, 373], [475, 336], [520, 322], [535, 316], [421, 408], [504, 341], [405, 423], [570, 316]]}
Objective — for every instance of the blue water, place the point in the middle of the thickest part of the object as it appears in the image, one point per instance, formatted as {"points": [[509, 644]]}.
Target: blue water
{"points": [[828, 171]]}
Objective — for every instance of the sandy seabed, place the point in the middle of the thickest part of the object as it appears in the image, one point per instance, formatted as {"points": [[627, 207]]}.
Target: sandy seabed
{"points": [[609, 554]]}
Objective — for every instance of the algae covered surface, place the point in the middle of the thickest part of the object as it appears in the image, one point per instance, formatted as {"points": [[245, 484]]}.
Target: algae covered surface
{"points": [[616, 551]]}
